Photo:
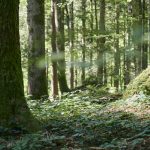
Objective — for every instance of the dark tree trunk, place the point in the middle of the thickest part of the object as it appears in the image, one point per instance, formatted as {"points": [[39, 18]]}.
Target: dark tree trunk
{"points": [[105, 68], [101, 43], [117, 52], [61, 48], [37, 79], [127, 52], [144, 43], [137, 34], [70, 24], [83, 39], [54, 49], [72, 45], [13, 107], [92, 30]]}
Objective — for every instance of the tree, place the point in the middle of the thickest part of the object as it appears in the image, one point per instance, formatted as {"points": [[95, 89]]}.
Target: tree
{"points": [[137, 34], [144, 30], [83, 39], [13, 107], [70, 24], [54, 48], [61, 48], [117, 51], [91, 30], [37, 78], [101, 43], [127, 45]]}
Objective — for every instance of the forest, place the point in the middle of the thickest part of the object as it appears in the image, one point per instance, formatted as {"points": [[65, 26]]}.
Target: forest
{"points": [[74, 75]]}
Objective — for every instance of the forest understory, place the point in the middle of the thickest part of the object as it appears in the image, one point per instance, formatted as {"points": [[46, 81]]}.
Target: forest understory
{"points": [[91, 119]]}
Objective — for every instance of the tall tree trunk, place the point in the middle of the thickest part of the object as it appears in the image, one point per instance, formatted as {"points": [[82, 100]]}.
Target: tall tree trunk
{"points": [[70, 24], [83, 39], [127, 52], [13, 107], [144, 42], [54, 48], [61, 48], [137, 34], [72, 45], [148, 7], [101, 43], [92, 30], [37, 79], [97, 41], [117, 52], [96, 18]]}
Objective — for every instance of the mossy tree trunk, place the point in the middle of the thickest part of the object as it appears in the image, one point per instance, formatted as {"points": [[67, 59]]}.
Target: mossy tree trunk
{"points": [[37, 78], [13, 107]]}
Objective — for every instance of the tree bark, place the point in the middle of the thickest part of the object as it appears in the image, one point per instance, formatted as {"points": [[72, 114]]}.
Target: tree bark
{"points": [[13, 107], [127, 51], [72, 45], [83, 39], [37, 78], [70, 24], [91, 31], [61, 48], [101, 44], [144, 42], [54, 49], [117, 52], [137, 34]]}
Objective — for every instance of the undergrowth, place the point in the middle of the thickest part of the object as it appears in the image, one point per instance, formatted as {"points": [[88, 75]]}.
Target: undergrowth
{"points": [[86, 120]]}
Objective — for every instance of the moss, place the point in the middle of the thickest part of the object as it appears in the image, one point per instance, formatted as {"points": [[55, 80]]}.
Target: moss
{"points": [[140, 83]]}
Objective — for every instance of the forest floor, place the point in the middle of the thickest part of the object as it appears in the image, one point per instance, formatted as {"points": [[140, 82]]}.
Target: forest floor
{"points": [[87, 120]]}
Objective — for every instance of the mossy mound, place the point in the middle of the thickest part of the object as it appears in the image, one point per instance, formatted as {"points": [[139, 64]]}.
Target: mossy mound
{"points": [[140, 83]]}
